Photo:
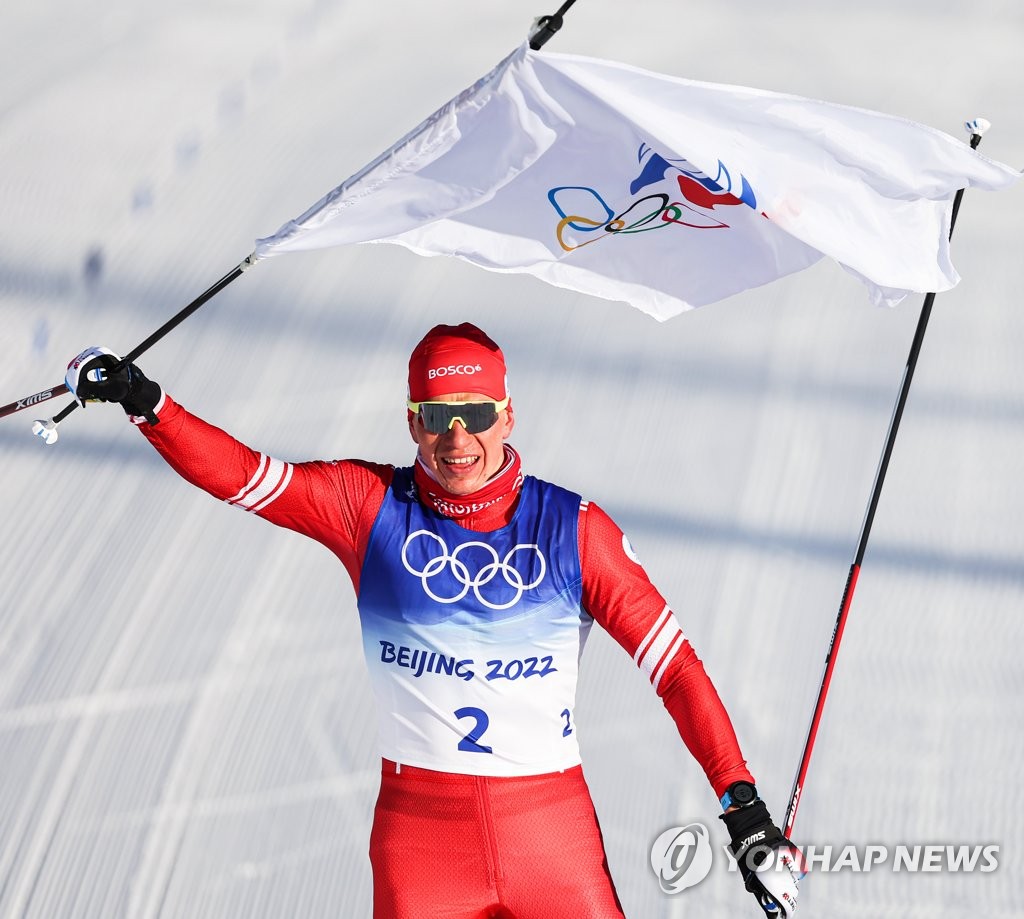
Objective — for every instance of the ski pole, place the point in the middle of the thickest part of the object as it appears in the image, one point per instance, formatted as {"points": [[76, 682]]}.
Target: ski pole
{"points": [[47, 429], [976, 128], [546, 26]]}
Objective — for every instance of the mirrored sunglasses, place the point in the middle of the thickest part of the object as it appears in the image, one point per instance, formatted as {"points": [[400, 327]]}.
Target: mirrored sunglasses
{"points": [[475, 417]]}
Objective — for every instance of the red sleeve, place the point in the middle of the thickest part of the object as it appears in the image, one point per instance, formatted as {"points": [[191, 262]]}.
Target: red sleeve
{"points": [[332, 502], [620, 596]]}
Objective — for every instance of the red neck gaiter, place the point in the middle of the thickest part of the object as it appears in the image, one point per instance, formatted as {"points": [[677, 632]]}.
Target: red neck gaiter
{"points": [[487, 507]]}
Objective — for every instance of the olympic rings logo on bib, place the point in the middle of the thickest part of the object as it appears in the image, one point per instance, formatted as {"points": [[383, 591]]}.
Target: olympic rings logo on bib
{"points": [[460, 569]]}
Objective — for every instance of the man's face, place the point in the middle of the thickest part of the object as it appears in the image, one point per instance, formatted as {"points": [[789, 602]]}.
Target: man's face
{"points": [[463, 462]]}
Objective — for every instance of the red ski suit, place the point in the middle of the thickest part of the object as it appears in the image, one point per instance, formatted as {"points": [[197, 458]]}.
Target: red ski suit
{"points": [[468, 846]]}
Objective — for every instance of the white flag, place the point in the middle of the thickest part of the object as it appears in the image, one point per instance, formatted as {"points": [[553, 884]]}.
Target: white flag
{"points": [[662, 192]]}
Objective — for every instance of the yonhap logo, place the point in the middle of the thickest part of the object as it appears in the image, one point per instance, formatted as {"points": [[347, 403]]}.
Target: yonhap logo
{"points": [[681, 857]]}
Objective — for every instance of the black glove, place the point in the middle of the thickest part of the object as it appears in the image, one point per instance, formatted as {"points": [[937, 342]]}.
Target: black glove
{"points": [[770, 865], [99, 375]]}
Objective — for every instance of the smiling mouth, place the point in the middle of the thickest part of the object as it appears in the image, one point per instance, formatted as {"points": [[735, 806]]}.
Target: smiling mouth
{"points": [[460, 462]]}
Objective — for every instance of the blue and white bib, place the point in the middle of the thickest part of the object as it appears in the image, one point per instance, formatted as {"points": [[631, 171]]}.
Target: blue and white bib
{"points": [[472, 639]]}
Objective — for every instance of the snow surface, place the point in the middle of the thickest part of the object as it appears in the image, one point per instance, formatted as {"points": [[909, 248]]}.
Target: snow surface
{"points": [[185, 724]]}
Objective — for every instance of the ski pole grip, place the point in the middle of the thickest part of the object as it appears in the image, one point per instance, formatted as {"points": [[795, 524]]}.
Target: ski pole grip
{"points": [[64, 412]]}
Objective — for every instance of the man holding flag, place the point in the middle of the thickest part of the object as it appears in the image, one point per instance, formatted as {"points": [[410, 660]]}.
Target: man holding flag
{"points": [[477, 584], [477, 587]]}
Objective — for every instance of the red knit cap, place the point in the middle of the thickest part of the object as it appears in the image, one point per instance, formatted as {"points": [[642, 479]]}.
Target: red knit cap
{"points": [[456, 358]]}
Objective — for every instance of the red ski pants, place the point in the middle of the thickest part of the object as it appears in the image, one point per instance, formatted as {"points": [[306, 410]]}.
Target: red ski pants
{"points": [[448, 846]]}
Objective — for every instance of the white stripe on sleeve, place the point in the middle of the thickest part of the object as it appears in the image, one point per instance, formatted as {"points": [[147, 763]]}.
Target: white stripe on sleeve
{"points": [[672, 652], [650, 636], [659, 646], [256, 476], [270, 479], [282, 485]]}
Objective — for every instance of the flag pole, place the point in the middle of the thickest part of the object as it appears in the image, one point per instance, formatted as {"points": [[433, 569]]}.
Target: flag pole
{"points": [[976, 128], [543, 28], [546, 26], [47, 429]]}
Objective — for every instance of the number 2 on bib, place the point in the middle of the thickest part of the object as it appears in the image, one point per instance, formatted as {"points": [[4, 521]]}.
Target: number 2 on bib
{"points": [[470, 743]]}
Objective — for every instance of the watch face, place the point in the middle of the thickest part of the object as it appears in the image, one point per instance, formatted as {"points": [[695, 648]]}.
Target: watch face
{"points": [[742, 793]]}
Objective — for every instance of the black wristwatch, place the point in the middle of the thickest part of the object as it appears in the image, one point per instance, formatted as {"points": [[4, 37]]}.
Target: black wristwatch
{"points": [[738, 794]]}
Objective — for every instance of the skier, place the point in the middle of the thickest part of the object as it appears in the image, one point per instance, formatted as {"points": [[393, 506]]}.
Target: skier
{"points": [[477, 586]]}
